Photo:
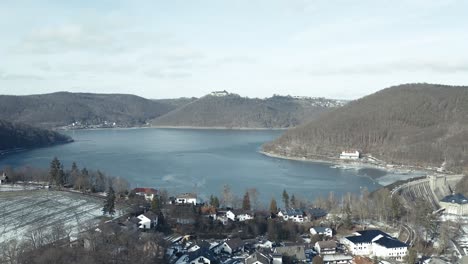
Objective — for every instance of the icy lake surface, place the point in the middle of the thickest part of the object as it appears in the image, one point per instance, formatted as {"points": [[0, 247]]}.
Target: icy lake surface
{"points": [[201, 161]]}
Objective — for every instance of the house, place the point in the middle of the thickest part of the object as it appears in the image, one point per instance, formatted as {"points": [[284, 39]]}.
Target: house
{"points": [[148, 220], [295, 215], [315, 213], [148, 193], [350, 155], [202, 256], [199, 245], [325, 247], [337, 259], [455, 204], [239, 215], [324, 231], [219, 93], [376, 243], [296, 251], [264, 243], [230, 246], [186, 198], [3, 178], [258, 258]]}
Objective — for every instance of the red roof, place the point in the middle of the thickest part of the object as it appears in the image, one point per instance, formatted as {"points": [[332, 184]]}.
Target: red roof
{"points": [[145, 190]]}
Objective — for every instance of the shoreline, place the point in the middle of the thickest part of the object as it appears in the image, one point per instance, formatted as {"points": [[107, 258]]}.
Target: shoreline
{"points": [[180, 127], [218, 128], [336, 163]]}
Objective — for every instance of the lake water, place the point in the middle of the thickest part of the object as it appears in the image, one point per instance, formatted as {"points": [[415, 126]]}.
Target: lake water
{"points": [[201, 161]]}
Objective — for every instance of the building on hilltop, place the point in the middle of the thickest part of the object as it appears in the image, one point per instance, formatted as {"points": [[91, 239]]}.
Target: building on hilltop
{"points": [[148, 193], [350, 155], [219, 93], [456, 204], [376, 243], [186, 198]]}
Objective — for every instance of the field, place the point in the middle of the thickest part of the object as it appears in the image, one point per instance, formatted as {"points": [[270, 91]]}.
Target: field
{"points": [[21, 211]]}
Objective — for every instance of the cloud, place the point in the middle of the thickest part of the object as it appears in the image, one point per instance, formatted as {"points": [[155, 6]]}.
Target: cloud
{"points": [[385, 68], [67, 38], [19, 77]]}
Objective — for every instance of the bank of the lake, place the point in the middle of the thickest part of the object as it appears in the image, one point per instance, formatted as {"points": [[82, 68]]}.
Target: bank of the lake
{"points": [[201, 161]]}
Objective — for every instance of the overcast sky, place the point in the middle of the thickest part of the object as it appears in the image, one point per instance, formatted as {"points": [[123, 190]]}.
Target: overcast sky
{"points": [[256, 48]]}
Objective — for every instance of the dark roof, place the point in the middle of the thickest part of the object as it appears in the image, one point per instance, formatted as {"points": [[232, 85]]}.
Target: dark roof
{"points": [[291, 212], [241, 211], [203, 244], [202, 252], [234, 243], [257, 256], [292, 251], [321, 229], [327, 244], [390, 242], [455, 198], [151, 215], [316, 212], [134, 220], [366, 236]]}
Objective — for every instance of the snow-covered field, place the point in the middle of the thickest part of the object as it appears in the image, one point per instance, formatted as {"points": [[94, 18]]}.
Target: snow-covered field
{"points": [[21, 211]]}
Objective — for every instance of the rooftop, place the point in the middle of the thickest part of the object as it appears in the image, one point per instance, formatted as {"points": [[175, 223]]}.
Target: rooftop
{"points": [[187, 196], [257, 258], [235, 243], [390, 242], [320, 229], [145, 190], [291, 211], [366, 236], [327, 244]]}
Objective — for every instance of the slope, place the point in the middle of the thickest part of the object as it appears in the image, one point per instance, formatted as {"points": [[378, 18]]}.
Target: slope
{"points": [[63, 108], [413, 124], [234, 111]]}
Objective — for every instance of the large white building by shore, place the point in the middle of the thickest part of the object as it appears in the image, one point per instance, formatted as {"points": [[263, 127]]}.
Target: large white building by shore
{"points": [[353, 155], [376, 243]]}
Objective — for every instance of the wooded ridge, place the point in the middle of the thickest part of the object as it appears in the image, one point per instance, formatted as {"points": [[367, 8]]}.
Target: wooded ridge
{"points": [[64, 108], [234, 111], [413, 124], [19, 136]]}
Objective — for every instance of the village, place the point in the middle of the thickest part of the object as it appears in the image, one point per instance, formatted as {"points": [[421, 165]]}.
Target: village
{"points": [[396, 224], [203, 233]]}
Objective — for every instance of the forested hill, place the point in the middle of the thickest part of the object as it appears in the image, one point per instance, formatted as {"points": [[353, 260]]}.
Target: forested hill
{"points": [[63, 108], [414, 124], [234, 111], [14, 136]]}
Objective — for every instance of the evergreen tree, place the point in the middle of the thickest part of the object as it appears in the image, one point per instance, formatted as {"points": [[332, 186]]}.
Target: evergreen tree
{"points": [[56, 173], [273, 206], [246, 201], [285, 199], [348, 222], [74, 167], [109, 203], [293, 201], [155, 204], [214, 201]]}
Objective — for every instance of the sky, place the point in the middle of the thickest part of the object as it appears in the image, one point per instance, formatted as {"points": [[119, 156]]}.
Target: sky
{"points": [[256, 48]]}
